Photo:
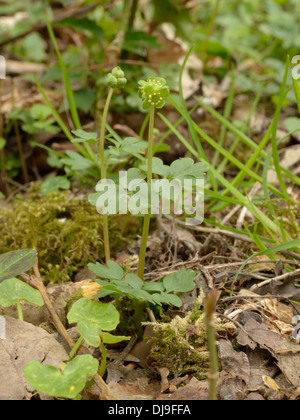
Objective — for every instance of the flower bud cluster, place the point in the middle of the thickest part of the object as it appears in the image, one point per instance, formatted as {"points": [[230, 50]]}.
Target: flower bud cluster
{"points": [[116, 79], [153, 92]]}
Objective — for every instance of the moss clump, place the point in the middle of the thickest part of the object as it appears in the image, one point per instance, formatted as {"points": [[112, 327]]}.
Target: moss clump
{"points": [[181, 345], [65, 231]]}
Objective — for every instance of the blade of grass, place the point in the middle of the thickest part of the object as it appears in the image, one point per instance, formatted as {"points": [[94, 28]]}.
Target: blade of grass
{"points": [[275, 155], [59, 120], [68, 87], [297, 92], [227, 113], [186, 115], [244, 169], [67, 83], [267, 223]]}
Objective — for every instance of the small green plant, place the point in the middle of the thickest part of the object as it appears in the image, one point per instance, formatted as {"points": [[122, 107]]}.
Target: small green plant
{"points": [[94, 319], [122, 283], [13, 291], [117, 283], [66, 382]]}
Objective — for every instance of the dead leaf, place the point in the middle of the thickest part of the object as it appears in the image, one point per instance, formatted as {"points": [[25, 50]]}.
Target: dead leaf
{"points": [[285, 352], [21, 343]]}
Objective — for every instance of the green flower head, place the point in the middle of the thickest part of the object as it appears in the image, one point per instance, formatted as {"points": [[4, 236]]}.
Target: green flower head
{"points": [[116, 79], [153, 92]]}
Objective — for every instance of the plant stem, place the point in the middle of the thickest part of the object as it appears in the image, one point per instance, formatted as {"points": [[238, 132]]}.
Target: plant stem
{"points": [[139, 310], [76, 347], [132, 14], [209, 32], [210, 306], [104, 171], [102, 369], [142, 257], [20, 312], [19, 140]]}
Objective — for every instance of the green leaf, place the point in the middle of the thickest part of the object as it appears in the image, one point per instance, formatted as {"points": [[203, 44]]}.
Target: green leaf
{"points": [[181, 281], [50, 380], [55, 184], [82, 25], [92, 318], [138, 41], [82, 136], [112, 339], [292, 124], [90, 331], [13, 290], [112, 272], [134, 281], [185, 167], [76, 161], [40, 112], [15, 263], [153, 287], [167, 299], [158, 167]]}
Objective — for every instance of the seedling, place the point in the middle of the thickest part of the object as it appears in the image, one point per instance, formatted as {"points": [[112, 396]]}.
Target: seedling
{"points": [[13, 291], [141, 293], [66, 382], [94, 320]]}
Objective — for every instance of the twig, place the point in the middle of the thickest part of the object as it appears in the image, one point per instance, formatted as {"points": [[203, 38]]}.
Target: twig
{"points": [[211, 230], [126, 351], [284, 277], [237, 297]]}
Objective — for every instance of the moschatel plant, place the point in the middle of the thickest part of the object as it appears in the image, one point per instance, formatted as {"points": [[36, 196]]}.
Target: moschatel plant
{"points": [[13, 290]]}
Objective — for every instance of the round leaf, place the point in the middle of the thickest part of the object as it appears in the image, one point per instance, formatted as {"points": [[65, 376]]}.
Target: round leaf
{"points": [[14, 290], [103, 314], [49, 380]]}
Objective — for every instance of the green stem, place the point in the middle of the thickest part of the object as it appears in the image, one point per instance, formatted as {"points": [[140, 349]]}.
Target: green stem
{"points": [[104, 171], [139, 310], [209, 32], [142, 257], [132, 14], [102, 368], [19, 311], [76, 347]]}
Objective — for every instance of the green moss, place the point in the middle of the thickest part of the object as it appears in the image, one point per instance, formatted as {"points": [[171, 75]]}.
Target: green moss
{"points": [[181, 345], [65, 231]]}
